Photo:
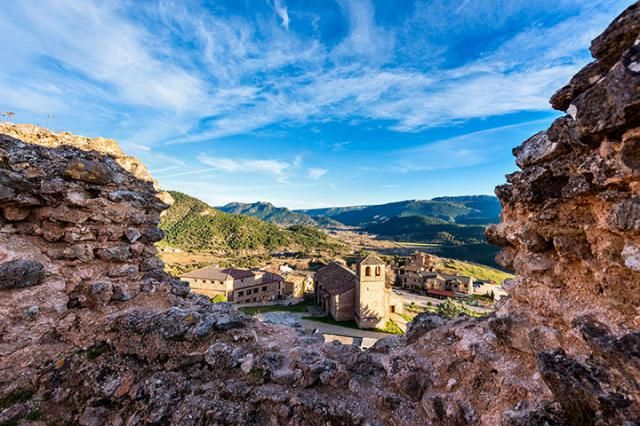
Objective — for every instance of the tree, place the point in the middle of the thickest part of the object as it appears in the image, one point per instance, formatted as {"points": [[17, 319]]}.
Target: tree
{"points": [[220, 298], [450, 309]]}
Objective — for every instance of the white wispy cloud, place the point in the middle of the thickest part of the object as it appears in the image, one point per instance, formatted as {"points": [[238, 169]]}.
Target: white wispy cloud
{"points": [[282, 12], [316, 174], [462, 151], [102, 65], [229, 165]]}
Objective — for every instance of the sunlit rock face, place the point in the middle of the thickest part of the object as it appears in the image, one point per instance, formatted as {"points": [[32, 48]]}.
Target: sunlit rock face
{"points": [[94, 332], [571, 230]]}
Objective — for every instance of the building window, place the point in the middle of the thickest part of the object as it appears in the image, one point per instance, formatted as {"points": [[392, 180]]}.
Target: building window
{"points": [[367, 271], [264, 288], [240, 293], [255, 290], [377, 271]]}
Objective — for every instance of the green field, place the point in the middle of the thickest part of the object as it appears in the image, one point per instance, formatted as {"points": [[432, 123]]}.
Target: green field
{"points": [[412, 244], [479, 272], [390, 327]]}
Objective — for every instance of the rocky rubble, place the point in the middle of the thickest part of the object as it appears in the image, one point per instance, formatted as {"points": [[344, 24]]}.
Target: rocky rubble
{"points": [[94, 332]]}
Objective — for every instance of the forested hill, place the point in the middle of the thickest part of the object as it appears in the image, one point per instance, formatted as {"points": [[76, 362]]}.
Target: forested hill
{"points": [[191, 224], [472, 209], [278, 215]]}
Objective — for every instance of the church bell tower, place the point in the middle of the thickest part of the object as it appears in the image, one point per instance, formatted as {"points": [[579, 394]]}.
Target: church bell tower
{"points": [[371, 298]]}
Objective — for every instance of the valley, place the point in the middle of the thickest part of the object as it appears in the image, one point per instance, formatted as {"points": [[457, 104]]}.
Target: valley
{"points": [[451, 227], [198, 235]]}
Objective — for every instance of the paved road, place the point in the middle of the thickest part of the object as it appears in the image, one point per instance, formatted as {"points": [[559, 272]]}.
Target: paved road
{"points": [[343, 331], [421, 300]]}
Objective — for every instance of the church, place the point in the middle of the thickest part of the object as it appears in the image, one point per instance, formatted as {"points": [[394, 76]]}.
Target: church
{"points": [[362, 296]]}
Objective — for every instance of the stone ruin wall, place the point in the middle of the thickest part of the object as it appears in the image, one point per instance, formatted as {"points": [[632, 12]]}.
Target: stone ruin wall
{"points": [[94, 332]]}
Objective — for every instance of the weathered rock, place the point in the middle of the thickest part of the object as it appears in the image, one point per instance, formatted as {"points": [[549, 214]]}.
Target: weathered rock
{"points": [[118, 253], [631, 256], [132, 234], [631, 150], [88, 171], [16, 214], [537, 149], [586, 78], [20, 273], [625, 215], [422, 324], [623, 32]]}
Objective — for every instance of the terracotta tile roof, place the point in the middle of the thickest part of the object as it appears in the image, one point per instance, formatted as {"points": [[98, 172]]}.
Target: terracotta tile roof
{"points": [[239, 273], [372, 259], [336, 278], [218, 274], [440, 292]]}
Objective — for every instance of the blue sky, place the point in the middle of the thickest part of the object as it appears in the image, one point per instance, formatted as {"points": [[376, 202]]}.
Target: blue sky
{"points": [[304, 103]]}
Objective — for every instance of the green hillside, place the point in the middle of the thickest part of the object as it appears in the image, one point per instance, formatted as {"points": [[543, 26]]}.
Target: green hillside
{"points": [[193, 225], [278, 215], [428, 230]]}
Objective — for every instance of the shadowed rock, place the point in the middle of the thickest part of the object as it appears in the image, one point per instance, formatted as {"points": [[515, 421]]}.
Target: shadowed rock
{"points": [[20, 273]]}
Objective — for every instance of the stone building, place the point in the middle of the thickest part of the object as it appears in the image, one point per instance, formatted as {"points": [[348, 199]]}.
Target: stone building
{"points": [[363, 296], [297, 283], [237, 285], [335, 291], [372, 296], [419, 273]]}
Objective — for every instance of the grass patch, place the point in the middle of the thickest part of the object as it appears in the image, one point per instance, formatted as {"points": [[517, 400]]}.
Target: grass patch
{"points": [[410, 244], [482, 298], [480, 272], [417, 309], [391, 328], [407, 317], [299, 307], [328, 320]]}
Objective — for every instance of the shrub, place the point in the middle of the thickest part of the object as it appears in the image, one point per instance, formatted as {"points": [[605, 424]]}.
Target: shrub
{"points": [[220, 298], [450, 309]]}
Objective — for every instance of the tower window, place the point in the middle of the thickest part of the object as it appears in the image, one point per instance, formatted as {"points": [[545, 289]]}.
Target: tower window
{"points": [[367, 271], [377, 271]]}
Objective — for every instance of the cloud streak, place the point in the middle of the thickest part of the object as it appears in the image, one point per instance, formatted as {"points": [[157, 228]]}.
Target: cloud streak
{"points": [[316, 174], [267, 167], [247, 73]]}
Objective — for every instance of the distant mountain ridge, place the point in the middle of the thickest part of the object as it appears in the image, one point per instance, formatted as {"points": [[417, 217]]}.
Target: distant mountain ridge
{"points": [[469, 209], [277, 215]]}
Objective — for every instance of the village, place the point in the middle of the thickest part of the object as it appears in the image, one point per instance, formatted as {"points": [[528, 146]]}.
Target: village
{"points": [[354, 303]]}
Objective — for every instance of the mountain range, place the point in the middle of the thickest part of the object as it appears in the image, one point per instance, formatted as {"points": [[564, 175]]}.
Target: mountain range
{"points": [[471, 209], [451, 226]]}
